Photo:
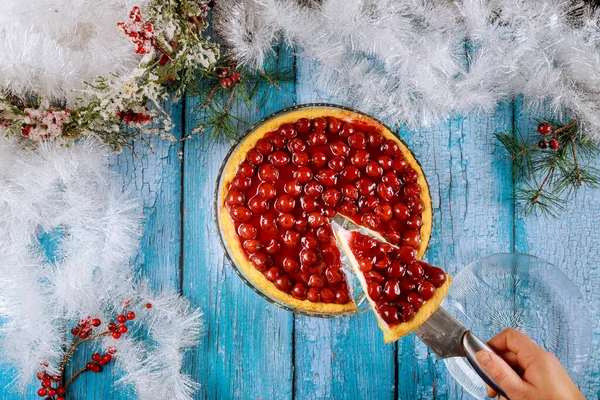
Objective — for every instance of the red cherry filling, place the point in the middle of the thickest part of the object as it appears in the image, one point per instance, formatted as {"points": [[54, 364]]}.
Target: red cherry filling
{"points": [[301, 174], [398, 284]]}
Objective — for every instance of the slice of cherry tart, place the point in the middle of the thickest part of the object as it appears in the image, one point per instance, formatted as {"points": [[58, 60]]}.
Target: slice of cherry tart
{"points": [[288, 177], [402, 290]]}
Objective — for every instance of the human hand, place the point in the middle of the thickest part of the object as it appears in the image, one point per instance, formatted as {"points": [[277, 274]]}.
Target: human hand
{"points": [[525, 371]]}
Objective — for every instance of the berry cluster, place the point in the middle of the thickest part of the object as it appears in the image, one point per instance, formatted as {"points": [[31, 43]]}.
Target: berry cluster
{"points": [[52, 387], [131, 116], [44, 124], [546, 129], [229, 76], [141, 34]]}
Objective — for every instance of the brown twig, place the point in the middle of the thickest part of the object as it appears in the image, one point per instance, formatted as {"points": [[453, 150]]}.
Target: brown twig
{"points": [[229, 100], [270, 80], [575, 160], [75, 376], [73, 348], [210, 95], [512, 158], [566, 127], [539, 191]]}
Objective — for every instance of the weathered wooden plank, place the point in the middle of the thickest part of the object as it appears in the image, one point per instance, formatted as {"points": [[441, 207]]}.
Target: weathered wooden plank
{"points": [[339, 358], [470, 184], [247, 351], [572, 243]]}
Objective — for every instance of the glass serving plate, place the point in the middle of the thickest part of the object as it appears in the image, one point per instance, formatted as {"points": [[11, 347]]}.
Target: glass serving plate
{"points": [[522, 292], [355, 288]]}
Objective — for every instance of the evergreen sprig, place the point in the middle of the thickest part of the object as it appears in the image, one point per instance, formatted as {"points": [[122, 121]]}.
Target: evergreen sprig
{"points": [[548, 177]]}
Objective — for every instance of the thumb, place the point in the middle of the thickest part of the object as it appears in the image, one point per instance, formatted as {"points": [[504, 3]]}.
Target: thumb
{"points": [[502, 374]]}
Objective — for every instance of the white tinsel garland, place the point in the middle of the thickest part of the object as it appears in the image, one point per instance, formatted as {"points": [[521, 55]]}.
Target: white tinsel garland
{"points": [[405, 60], [51, 47], [71, 196]]}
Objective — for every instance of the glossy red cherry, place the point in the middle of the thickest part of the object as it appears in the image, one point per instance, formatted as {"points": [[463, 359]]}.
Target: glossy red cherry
{"points": [[296, 145], [374, 138], [371, 221], [411, 238], [384, 212], [308, 203], [317, 138], [339, 148], [391, 179], [303, 125], [357, 141], [391, 290], [240, 182], [258, 204], [348, 209], [313, 188], [310, 241], [389, 314], [318, 160], [415, 272], [331, 197], [399, 163], [327, 295], [254, 157], [436, 276], [385, 162], [286, 220], [410, 175], [285, 203], [396, 270], [267, 172], [309, 257], [327, 177], [350, 172], [240, 213], [414, 222], [365, 186], [426, 290], [374, 290], [291, 238], [401, 211], [272, 247], [300, 159], [365, 264], [385, 192], [333, 275], [415, 300], [266, 190], [350, 192], [315, 219], [279, 158], [283, 283], [246, 169], [293, 188], [368, 203], [360, 159], [416, 206], [315, 281], [319, 124], [390, 148], [272, 274], [406, 311], [328, 212], [382, 262], [407, 255], [341, 296], [347, 130], [301, 225], [333, 125], [324, 234], [337, 163], [314, 295], [235, 198], [303, 174], [268, 222], [264, 147], [278, 141], [252, 246], [373, 169], [374, 276], [412, 189], [299, 291], [290, 265], [288, 131], [407, 284]]}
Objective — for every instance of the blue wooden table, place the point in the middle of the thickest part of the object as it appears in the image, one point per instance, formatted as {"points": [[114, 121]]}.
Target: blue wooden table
{"points": [[254, 350]]}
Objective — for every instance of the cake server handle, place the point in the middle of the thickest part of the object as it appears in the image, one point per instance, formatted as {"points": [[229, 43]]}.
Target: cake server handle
{"points": [[471, 345]]}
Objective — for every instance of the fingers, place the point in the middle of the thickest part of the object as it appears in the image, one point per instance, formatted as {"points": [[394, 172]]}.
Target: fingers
{"points": [[502, 374], [511, 340]]}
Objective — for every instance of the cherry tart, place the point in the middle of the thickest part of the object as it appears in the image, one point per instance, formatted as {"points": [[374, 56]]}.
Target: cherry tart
{"points": [[402, 290], [285, 181]]}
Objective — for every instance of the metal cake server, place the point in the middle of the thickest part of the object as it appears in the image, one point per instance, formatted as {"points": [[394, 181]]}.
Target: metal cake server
{"points": [[441, 332]]}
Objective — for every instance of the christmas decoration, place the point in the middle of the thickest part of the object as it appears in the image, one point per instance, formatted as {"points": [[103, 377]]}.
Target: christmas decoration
{"points": [[105, 92], [67, 199], [552, 169], [419, 62]]}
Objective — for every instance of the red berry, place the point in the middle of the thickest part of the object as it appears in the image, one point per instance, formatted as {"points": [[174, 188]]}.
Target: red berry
{"points": [[414, 222], [385, 192], [396, 270], [122, 329], [96, 322], [337, 163], [236, 77], [317, 139], [544, 128], [116, 335], [268, 172], [391, 290], [272, 274], [314, 295], [112, 349], [348, 209], [426, 290], [284, 283], [374, 276], [360, 159], [258, 204], [75, 331], [327, 177], [411, 238], [96, 357], [389, 314], [384, 211], [350, 172], [313, 188], [279, 158], [553, 143], [222, 72], [365, 186], [410, 175], [416, 206], [318, 160], [339, 148], [341, 296], [106, 358], [60, 391], [319, 124], [333, 125], [327, 295], [264, 147], [391, 179], [226, 83], [357, 141], [240, 213], [121, 319], [436, 276], [407, 255], [303, 125], [299, 291], [374, 138], [331, 197], [89, 365], [252, 246], [401, 211], [347, 130], [303, 174], [412, 190], [247, 231], [42, 392], [285, 203], [333, 275], [374, 169], [390, 148], [296, 145], [112, 326]]}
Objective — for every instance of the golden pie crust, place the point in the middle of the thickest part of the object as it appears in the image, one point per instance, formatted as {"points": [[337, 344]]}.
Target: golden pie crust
{"points": [[230, 170]]}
